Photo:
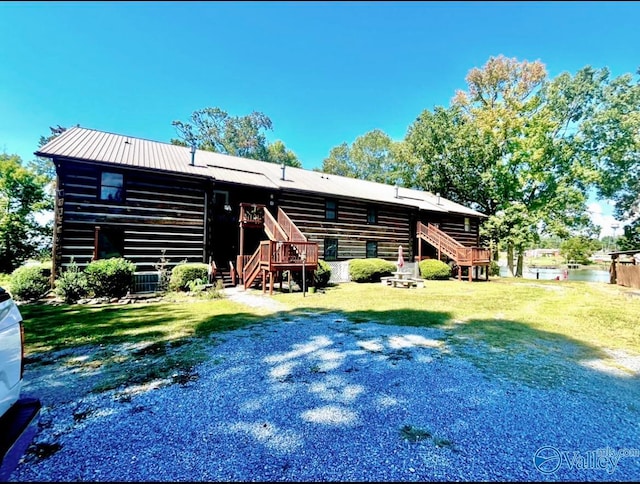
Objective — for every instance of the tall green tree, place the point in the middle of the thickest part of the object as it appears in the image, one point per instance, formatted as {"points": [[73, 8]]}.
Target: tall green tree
{"points": [[213, 129], [280, 154], [373, 156], [613, 143], [23, 196], [511, 145]]}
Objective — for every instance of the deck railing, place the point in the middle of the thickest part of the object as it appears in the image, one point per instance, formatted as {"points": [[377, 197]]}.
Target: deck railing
{"points": [[274, 255], [251, 214]]}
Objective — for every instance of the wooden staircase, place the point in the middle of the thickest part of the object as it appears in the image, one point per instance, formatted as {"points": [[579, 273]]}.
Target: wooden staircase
{"points": [[287, 249], [225, 275], [462, 255]]}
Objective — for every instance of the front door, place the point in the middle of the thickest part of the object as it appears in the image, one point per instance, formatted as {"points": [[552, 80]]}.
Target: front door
{"points": [[225, 230]]}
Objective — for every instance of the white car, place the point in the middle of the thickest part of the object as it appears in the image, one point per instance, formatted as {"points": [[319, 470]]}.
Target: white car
{"points": [[18, 416]]}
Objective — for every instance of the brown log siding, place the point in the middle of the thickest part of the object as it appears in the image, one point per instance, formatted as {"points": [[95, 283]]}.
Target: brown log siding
{"points": [[159, 212], [393, 227]]}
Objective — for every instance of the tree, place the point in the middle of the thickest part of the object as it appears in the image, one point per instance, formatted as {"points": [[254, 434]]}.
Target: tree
{"points": [[613, 142], [511, 145], [44, 166], [22, 197], [373, 156], [278, 153], [578, 249], [631, 238], [212, 129]]}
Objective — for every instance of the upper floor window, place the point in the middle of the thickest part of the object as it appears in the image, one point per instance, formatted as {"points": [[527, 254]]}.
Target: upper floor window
{"points": [[331, 210], [112, 186], [467, 224], [372, 215]]}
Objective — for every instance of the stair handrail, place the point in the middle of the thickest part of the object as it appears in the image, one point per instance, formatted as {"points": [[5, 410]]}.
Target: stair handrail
{"points": [[451, 247], [439, 239], [272, 228], [293, 232], [249, 271]]}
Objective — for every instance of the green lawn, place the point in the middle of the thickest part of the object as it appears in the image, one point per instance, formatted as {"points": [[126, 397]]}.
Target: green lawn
{"points": [[494, 323], [598, 315]]}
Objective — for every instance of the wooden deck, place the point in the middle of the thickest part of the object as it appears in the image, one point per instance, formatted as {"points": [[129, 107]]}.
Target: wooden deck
{"points": [[286, 250]]}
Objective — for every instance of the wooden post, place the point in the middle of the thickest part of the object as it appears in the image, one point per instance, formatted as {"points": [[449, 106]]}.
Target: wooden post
{"points": [[612, 270], [304, 275]]}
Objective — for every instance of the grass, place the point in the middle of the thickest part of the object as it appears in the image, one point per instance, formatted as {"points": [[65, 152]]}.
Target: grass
{"points": [[134, 343], [505, 310], [504, 326]]}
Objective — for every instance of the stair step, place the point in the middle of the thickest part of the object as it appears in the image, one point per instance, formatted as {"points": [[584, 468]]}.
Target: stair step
{"points": [[225, 276]]}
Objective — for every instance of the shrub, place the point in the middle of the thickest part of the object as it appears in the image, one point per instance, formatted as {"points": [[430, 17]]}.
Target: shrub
{"points": [[370, 270], [30, 281], [110, 277], [322, 274], [434, 269], [494, 268], [183, 274], [72, 284]]}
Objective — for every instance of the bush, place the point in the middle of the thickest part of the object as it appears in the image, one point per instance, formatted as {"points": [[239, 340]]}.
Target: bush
{"points": [[322, 274], [370, 270], [72, 284], [30, 281], [434, 269], [183, 274], [110, 277], [494, 268]]}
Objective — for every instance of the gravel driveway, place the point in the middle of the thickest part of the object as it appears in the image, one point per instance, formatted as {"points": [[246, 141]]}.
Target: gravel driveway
{"points": [[319, 398]]}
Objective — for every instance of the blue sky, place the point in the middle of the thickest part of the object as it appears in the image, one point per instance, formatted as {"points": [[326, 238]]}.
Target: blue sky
{"points": [[323, 72]]}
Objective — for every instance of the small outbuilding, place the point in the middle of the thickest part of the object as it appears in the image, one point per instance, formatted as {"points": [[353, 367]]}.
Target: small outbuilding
{"points": [[624, 269]]}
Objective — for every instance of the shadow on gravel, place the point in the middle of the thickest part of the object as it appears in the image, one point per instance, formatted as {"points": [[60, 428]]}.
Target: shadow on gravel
{"points": [[507, 349]]}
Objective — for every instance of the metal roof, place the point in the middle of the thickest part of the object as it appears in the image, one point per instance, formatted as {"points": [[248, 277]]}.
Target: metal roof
{"points": [[98, 146]]}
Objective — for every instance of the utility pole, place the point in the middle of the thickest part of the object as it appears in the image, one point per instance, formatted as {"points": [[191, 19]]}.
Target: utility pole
{"points": [[614, 227]]}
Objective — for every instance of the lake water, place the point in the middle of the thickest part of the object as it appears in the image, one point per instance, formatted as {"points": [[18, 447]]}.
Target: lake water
{"points": [[589, 275]]}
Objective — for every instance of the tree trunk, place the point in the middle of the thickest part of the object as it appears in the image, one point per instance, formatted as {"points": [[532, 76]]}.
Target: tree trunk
{"points": [[520, 267], [510, 258]]}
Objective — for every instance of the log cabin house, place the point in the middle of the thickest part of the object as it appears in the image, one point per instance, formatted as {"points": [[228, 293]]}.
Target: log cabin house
{"points": [[144, 200]]}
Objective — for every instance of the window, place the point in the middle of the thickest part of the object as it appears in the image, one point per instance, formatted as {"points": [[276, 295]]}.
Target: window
{"points": [[111, 187], [221, 201], [372, 215], [109, 242], [467, 224], [372, 249], [330, 249], [331, 210]]}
